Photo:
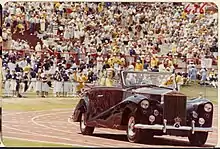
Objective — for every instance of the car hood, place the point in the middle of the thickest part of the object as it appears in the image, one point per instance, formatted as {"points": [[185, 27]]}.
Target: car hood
{"points": [[152, 90]]}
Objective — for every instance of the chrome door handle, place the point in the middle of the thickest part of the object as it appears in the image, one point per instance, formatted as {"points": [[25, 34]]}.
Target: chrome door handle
{"points": [[100, 96]]}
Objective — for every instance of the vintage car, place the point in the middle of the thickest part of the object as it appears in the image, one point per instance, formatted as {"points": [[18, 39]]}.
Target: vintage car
{"points": [[139, 104]]}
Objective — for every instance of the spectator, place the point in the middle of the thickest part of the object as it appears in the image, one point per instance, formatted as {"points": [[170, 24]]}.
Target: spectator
{"points": [[98, 36]]}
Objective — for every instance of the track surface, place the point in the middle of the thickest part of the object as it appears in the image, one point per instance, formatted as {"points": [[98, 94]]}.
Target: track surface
{"points": [[53, 126]]}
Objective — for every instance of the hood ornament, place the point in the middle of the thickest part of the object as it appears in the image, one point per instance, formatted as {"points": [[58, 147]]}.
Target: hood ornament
{"points": [[177, 122]]}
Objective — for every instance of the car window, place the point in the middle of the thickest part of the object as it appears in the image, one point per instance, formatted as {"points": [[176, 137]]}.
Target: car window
{"points": [[144, 78], [107, 82]]}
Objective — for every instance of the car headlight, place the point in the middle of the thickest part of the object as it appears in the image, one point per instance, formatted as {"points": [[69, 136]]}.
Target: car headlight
{"points": [[145, 104], [208, 107], [201, 121], [151, 118]]}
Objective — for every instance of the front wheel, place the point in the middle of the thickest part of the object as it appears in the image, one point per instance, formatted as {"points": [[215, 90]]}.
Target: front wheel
{"points": [[85, 130], [137, 135], [198, 138], [133, 135]]}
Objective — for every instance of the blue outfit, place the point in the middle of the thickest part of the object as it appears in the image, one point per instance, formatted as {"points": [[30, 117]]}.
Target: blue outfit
{"points": [[204, 75], [192, 73]]}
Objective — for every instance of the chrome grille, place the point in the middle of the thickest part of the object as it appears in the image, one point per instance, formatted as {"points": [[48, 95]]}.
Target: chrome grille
{"points": [[174, 109]]}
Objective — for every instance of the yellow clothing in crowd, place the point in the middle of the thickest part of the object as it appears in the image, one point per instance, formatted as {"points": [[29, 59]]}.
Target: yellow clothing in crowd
{"points": [[26, 68], [20, 26], [113, 60], [81, 80], [170, 63], [212, 74], [168, 82], [100, 7], [106, 82], [74, 76], [174, 49], [86, 9], [175, 60], [122, 62], [183, 15], [57, 5], [139, 67], [154, 62], [116, 50], [179, 80]]}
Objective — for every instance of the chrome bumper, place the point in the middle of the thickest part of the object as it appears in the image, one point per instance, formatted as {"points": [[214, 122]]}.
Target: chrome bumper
{"points": [[170, 127]]}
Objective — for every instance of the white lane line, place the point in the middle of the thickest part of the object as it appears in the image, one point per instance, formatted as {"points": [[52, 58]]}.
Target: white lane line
{"points": [[33, 120], [16, 122], [50, 111], [49, 136], [37, 111], [42, 115], [100, 131], [25, 122], [58, 111]]}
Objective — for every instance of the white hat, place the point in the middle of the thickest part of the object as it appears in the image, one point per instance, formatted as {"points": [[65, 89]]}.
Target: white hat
{"points": [[130, 67]]}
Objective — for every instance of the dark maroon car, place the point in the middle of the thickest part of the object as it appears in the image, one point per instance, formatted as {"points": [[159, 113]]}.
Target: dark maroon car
{"points": [[141, 106]]}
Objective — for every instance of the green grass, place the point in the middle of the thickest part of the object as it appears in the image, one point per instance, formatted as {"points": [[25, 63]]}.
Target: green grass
{"points": [[194, 91], [23, 143], [31, 104], [34, 104]]}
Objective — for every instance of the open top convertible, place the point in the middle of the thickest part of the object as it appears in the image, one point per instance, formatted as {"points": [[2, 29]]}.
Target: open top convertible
{"points": [[141, 106]]}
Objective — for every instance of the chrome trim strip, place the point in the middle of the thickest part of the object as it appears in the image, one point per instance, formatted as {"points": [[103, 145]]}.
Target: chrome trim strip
{"points": [[169, 127], [100, 95], [165, 125], [193, 126]]}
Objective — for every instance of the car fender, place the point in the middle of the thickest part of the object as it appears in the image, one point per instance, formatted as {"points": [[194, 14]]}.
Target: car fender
{"points": [[193, 104], [130, 105], [82, 106], [136, 98], [196, 104]]}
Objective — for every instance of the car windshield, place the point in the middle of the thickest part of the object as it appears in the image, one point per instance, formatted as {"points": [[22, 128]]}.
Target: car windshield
{"points": [[133, 78]]}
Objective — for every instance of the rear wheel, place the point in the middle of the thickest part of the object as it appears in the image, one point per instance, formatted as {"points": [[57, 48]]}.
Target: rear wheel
{"points": [[198, 138], [137, 135], [85, 130]]}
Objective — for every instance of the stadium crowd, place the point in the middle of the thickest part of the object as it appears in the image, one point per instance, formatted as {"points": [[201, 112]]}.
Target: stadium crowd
{"points": [[79, 42]]}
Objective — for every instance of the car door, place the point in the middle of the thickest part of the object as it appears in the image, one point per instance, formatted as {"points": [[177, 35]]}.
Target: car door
{"points": [[100, 101], [112, 96], [96, 99]]}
